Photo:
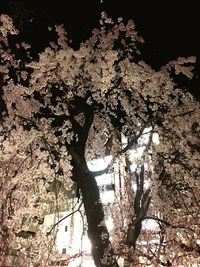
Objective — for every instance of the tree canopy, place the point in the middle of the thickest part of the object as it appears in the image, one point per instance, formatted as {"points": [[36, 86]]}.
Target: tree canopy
{"points": [[54, 109]]}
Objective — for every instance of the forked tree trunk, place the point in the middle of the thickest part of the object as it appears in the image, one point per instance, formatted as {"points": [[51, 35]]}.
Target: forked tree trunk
{"points": [[98, 234]]}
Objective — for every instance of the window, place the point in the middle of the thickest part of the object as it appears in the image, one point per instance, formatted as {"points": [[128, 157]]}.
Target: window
{"points": [[64, 250], [66, 228]]}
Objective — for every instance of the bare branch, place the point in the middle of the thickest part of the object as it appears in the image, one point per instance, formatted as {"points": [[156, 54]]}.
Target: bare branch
{"points": [[48, 233], [167, 223]]}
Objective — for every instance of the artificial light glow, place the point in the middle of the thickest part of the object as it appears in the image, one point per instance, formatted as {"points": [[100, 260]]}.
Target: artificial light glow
{"points": [[109, 223], [99, 164]]}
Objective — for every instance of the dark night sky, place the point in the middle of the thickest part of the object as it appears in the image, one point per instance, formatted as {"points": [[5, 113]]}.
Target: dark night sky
{"points": [[169, 30]]}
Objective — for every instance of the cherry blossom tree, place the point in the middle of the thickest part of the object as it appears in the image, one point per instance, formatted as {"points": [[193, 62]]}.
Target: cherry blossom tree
{"points": [[54, 109]]}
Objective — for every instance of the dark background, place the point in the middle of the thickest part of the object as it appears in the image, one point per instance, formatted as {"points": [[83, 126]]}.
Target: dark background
{"points": [[170, 28]]}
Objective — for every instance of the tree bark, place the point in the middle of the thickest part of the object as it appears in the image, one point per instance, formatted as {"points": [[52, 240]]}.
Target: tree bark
{"points": [[3, 244], [102, 251]]}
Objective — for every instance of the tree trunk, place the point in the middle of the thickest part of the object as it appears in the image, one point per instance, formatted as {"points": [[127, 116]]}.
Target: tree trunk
{"points": [[3, 244], [102, 250]]}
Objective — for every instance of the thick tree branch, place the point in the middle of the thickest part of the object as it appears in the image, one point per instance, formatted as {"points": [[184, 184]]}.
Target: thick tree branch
{"points": [[76, 126], [101, 172], [82, 131], [89, 117]]}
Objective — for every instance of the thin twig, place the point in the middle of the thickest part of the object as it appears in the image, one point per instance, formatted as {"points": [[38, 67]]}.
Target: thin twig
{"points": [[65, 218]]}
